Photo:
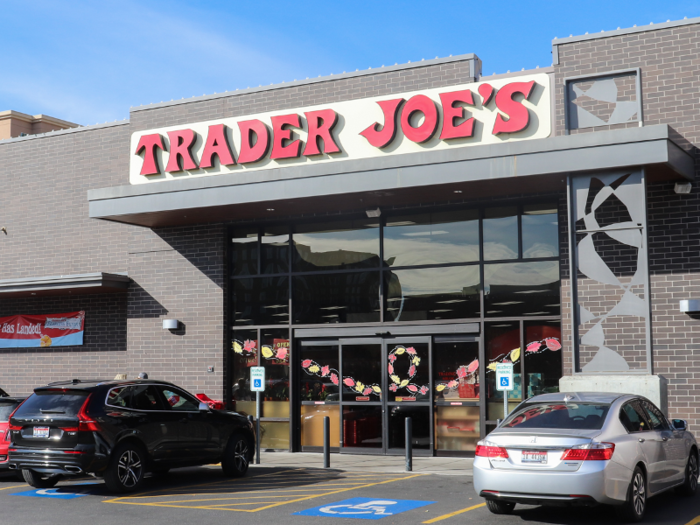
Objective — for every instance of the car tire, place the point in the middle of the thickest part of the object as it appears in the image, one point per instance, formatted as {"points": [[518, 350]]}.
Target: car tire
{"points": [[690, 485], [633, 509], [237, 456], [126, 469], [500, 507], [40, 481]]}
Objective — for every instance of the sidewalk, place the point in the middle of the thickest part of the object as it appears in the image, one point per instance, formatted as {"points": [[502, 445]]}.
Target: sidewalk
{"points": [[444, 466]]}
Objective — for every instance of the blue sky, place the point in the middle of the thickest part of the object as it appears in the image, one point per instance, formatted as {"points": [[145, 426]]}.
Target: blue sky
{"points": [[89, 61]]}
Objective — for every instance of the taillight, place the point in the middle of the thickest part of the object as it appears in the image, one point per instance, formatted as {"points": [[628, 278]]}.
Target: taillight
{"points": [[14, 427], [11, 426], [485, 449], [84, 421], [589, 452]]}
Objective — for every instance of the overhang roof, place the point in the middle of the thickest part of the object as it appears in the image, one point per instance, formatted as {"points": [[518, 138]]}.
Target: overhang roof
{"points": [[418, 177], [85, 283]]}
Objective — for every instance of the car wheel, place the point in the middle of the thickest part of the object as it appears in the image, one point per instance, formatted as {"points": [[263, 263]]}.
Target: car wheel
{"points": [[125, 472], [633, 509], [40, 481], [500, 507], [690, 484], [237, 456]]}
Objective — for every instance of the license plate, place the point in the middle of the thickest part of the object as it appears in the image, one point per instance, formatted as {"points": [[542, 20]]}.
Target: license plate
{"points": [[41, 432], [534, 456]]}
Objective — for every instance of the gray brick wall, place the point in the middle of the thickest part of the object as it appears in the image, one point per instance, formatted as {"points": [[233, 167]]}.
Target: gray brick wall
{"points": [[670, 78]]}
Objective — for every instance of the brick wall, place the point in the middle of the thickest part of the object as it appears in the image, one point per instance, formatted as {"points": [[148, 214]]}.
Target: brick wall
{"points": [[670, 79]]}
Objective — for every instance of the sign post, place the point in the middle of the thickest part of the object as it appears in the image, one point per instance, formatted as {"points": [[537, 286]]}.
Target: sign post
{"points": [[257, 385], [504, 383]]}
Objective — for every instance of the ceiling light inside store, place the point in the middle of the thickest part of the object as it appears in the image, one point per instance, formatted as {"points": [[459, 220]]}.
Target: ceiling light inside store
{"points": [[424, 234], [531, 291], [508, 303], [276, 306], [452, 301], [332, 307], [374, 212], [536, 313]]}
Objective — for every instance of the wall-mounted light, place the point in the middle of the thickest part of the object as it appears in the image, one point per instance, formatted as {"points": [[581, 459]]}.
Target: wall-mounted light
{"points": [[170, 324], [682, 188], [373, 213], [690, 305]]}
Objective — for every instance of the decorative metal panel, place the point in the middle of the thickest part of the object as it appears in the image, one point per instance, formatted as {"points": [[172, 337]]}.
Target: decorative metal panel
{"points": [[611, 290]]}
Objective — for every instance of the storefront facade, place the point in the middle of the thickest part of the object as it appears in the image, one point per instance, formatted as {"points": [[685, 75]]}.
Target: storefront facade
{"points": [[379, 241]]}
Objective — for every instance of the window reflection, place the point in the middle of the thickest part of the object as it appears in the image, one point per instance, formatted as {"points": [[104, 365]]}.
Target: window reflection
{"points": [[340, 245], [540, 225], [274, 250], [502, 346], [320, 377], [336, 298], [432, 293], [515, 289], [245, 251], [456, 371], [432, 238], [245, 354], [500, 233], [261, 301]]}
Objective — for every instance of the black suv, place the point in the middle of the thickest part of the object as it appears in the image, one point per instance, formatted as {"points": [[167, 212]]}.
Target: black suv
{"points": [[119, 430]]}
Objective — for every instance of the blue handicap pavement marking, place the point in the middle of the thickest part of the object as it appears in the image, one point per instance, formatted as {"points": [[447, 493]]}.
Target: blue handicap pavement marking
{"points": [[68, 492], [364, 508]]}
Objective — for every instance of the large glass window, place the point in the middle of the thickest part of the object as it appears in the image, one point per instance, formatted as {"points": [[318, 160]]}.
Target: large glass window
{"points": [[540, 231], [543, 356], [320, 376], [274, 249], [275, 354], [341, 245], [245, 251], [336, 298], [432, 293], [432, 238], [261, 301], [517, 289], [501, 233], [502, 346]]}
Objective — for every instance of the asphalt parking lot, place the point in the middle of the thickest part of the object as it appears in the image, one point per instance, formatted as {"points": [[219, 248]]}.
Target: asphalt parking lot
{"points": [[297, 495]]}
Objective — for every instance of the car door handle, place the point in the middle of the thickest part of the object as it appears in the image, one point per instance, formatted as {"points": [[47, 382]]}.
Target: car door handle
{"points": [[641, 440], [664, 439]]}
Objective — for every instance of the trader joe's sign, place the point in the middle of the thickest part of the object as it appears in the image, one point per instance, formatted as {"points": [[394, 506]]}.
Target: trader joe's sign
{"points": [[496, 111], [34, 331]]}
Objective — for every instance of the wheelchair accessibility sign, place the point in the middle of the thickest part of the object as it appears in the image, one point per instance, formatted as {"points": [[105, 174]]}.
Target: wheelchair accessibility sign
{"points": [[364, 508], [68, 492]]}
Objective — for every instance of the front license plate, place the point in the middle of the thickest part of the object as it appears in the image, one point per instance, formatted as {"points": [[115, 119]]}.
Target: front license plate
{"points": [[534, 456], [41, 432]]}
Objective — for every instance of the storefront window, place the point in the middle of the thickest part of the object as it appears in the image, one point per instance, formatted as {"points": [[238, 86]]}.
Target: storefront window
{"points": [[320, 376], [408, 370], [432, 293], [261, 301], [432, 238], [342, 245], [502, 346], [500, 233], [516, 289], [274, 249], [336, 298], [245, 251], [543, 356], [540, 225], [245, 354], [362, 372], [456, 371], [362, 426], [274, 356], [420, 423]]}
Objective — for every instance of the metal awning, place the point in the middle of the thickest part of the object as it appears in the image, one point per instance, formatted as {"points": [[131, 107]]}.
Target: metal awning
{"points": [[430, 176], [85, 283]]}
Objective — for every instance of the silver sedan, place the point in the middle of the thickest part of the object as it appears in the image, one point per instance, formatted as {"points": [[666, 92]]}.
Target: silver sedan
{"points": [[585, 449]]}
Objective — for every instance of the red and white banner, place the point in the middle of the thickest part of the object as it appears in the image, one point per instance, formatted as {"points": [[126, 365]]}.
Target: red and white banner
{"points": [[34, 331]]}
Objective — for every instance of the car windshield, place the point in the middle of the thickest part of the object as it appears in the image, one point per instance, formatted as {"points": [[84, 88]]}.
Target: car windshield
{"points": [[6, 409], [56, 403], [568, 416]]}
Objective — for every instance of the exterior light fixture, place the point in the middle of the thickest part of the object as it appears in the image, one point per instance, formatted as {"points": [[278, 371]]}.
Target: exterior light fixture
{"points": [[690, 305], [682, 188], [373, 213], [170, 324]]}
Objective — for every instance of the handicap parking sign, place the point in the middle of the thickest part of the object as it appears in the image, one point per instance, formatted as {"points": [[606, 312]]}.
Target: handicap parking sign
{"points": [[364, 508], [67, 492]]}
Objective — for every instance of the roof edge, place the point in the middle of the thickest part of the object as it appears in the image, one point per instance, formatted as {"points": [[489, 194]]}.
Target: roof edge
{"points": [[626, 31]]}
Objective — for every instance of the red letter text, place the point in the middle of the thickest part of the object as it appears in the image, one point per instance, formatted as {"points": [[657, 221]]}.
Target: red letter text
{"points": [[427, 129], [320, 125], [253, 152], [180, 143], [518, 115], [217, 144], [382, 138], [450, 113], [280, 134], [150, 143]]}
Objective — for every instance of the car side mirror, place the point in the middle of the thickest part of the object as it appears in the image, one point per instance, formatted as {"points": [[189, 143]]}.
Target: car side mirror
{"points": [[203, 407], [680, 424]]}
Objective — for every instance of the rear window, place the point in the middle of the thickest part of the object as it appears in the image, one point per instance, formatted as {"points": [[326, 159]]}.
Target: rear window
{"points": [[568, 416], [6, 409], [52, 403]]}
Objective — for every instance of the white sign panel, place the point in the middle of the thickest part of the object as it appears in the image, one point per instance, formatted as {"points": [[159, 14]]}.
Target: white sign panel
{"points": [[504, 376], [488, 112], [257, 379]]}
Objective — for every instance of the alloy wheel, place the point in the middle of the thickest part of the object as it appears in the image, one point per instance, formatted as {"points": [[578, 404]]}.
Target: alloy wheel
{"points": [[240, 453], [638, 493], [129, 468], [693, 472]]}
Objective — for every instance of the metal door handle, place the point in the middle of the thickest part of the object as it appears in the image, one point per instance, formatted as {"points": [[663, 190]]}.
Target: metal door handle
{"points": [[664, 439], [641, 440]]}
